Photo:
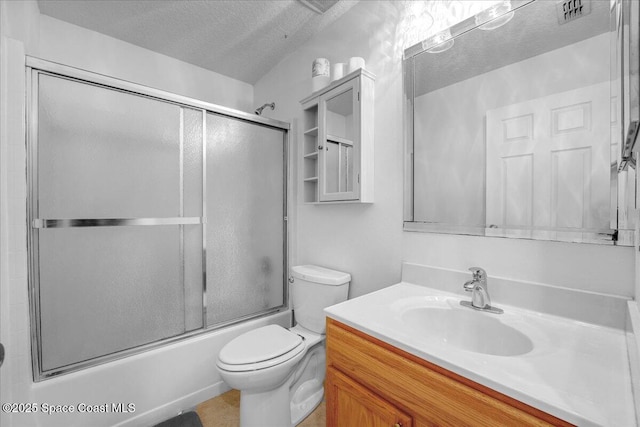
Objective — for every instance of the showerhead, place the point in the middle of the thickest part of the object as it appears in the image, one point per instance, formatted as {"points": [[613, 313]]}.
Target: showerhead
{"points": [[258, 110], [319, 6]]}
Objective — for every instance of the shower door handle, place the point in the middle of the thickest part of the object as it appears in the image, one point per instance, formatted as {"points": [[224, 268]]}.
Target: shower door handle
{"points": [[1, 354], [114, 222]]}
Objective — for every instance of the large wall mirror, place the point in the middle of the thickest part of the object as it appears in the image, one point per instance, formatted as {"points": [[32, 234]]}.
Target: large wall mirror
{"points": [[514, 122]]}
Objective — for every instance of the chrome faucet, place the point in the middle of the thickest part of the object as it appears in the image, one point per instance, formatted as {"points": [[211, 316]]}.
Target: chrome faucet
{"points": [[480, 299]]}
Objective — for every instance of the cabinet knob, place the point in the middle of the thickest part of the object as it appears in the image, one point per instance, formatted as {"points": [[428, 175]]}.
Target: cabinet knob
{"points": [[320, 147], [397, 425]]}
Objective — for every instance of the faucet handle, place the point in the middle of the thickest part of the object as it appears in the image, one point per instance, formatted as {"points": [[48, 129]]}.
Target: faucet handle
{"points": [[478, 274]]}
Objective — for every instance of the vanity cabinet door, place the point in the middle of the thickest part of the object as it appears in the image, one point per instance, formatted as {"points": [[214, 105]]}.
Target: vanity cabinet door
{"points": [[350, 404]]}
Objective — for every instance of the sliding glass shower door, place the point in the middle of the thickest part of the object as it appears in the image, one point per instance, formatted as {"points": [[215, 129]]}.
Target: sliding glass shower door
{"points": [[245, 206], [149, 220], [111, 221]]}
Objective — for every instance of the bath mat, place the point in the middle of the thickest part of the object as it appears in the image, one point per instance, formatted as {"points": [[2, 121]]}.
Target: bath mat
{"points": [[188, 419]]}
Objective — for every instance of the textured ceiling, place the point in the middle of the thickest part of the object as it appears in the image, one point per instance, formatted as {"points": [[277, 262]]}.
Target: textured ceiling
{"points": [[242, 39]]}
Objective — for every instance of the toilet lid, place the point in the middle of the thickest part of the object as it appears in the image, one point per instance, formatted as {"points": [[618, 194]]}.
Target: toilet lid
{"points": [[258, 345]]}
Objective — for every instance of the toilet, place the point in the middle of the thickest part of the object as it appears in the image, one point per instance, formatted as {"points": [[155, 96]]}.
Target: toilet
{"points": [[280, 372]]}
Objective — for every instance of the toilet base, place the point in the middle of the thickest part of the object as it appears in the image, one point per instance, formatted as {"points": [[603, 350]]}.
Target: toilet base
{"points": [[307, 398], [269, 408], [297, 394], [265, 409]]}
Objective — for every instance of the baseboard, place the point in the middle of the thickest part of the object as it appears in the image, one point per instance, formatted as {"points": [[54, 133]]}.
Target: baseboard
{"points": [[171, 409], [633, 350]]}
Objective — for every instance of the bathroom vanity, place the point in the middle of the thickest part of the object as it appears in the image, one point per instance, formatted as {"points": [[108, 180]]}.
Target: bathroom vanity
{"points": [[410, 355], [368, 379]]}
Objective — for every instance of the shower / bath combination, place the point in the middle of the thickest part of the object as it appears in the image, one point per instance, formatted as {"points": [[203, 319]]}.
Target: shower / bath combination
{"points": [[199, 159], [270, 105]]}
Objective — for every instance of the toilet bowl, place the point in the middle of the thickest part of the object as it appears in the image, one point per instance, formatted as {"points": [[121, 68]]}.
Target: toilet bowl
{"points": [[280, 372], [271, 393], [260, 359]]}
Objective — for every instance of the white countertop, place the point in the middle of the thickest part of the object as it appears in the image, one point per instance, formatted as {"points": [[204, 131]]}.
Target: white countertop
{"points": [[577, 371]]}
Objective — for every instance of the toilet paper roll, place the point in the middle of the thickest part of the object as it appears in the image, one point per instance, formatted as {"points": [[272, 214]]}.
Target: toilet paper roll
{"points": [[318, 82], [337, 71], [320, 67], [355, 63]]}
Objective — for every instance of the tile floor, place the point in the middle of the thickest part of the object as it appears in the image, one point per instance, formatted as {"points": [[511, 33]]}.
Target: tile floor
{"points": [[224, 411]]}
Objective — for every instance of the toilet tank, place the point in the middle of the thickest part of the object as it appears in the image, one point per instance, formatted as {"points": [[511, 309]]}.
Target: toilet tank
{"points": [[313, 289]]}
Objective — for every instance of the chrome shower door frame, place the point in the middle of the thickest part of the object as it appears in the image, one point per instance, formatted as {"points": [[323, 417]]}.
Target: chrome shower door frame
{"points": [[36, 67]]}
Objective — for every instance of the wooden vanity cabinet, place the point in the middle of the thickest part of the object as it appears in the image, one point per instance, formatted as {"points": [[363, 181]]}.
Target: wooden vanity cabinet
{"points": [[371, 383]]}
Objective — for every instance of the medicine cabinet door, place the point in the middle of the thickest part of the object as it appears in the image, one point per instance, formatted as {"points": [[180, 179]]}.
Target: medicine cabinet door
{"points": [[339, 143]]}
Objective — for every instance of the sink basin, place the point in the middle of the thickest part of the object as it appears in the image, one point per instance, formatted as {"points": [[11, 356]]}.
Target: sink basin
{"points": [[465, 329]]}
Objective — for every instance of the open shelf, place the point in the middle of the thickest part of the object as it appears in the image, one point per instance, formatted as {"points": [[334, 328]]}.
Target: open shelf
{"points": [[312, 132], [310, 154], [310, 190]]}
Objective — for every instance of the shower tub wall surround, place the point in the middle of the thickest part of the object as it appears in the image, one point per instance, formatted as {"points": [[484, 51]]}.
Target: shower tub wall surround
{"points": [[159, 380]]}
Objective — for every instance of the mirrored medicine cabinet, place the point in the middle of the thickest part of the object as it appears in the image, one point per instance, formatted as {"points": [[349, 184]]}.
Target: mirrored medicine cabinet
{"points": [[516, 120], [337, 141]]}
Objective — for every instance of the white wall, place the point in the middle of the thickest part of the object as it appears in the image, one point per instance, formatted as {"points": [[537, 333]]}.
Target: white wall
{"points": [[588, 267], [364, 240], [159, 382], [368, 241], [78, 47], [20, 21]]}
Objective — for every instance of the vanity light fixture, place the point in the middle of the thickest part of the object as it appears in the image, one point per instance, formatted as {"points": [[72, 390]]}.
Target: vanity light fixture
{"points": [[439, 42], [494, 16]]}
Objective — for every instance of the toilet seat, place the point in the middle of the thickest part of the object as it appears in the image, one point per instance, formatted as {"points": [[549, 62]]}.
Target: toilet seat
{"points": [[260, 348]]}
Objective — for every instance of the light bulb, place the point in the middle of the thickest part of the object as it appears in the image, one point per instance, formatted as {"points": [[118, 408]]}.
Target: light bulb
{"points": [[439, 42], [494, 16]]}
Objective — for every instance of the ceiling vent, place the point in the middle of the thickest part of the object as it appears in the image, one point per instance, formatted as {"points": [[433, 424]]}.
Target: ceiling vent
{"points": [[570, 10], [319, 6]]}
